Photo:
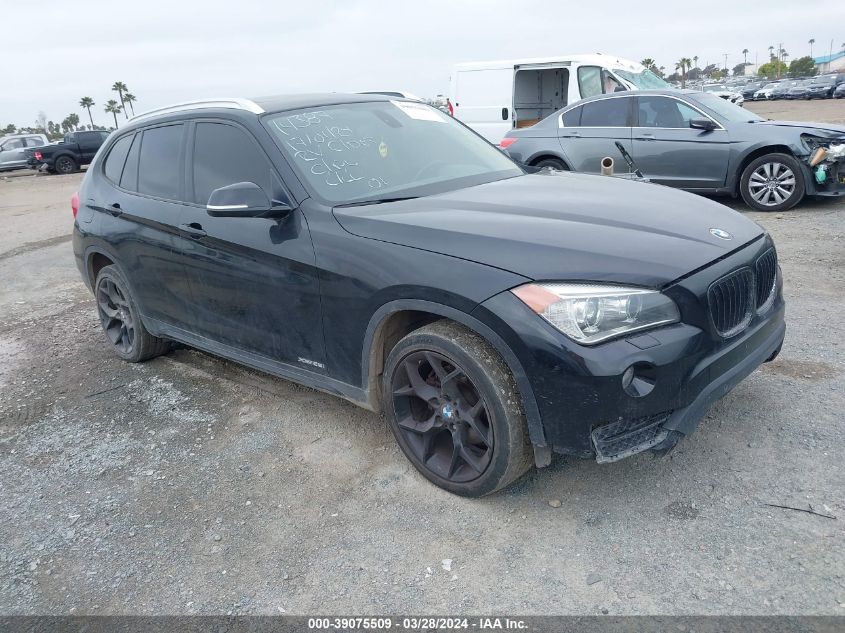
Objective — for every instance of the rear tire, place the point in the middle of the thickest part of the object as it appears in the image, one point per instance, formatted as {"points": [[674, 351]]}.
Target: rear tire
{"points": [[552, 163], [65, 165], [455, 410], [774, 182], [121, 319]]}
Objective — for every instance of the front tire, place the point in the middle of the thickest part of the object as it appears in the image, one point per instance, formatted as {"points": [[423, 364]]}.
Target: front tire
{"points": [[455, 410], [121, 319], [65, 165], [774, 182]]}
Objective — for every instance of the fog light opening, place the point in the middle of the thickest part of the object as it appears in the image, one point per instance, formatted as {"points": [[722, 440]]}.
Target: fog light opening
{"points": [[639, 380]]}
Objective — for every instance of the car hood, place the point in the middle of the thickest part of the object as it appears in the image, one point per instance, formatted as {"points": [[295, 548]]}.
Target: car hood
{"points": [[837, 130], [563, 227]]}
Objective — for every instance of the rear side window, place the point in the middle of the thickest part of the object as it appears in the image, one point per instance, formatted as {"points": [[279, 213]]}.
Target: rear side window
{"points": [[572, 118], [90, 139], [117, 158], [129, 179], [34, 142], [159, 160], [606, 113], [224, 155]]}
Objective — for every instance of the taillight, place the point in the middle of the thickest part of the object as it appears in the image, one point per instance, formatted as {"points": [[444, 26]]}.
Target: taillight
{"points": [[74, 203], [450, 106], [37, 155], [507, 142]]}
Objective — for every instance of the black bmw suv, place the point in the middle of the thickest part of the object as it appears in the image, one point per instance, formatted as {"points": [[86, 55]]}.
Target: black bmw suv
{"points": [[377, 249]]}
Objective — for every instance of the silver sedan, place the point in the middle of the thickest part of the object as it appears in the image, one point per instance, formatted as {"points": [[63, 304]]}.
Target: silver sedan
{"points": [[691, 140]]}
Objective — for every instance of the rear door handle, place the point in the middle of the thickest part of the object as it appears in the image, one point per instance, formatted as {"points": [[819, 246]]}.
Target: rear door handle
{"points": [[194, 229], [646, 137], [571, 135]]}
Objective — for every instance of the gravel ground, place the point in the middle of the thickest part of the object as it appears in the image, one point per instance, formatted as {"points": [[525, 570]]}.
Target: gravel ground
{"points": [[189, 484]]}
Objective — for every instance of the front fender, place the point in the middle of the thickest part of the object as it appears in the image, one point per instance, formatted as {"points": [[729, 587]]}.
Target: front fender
{"points": [[532, 412], [758, 149]]}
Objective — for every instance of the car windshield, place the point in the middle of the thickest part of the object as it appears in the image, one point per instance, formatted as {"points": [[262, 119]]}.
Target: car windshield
{"points": [[725, 110], [823, 81], [359, 152], [646, 80], [768, 86]]}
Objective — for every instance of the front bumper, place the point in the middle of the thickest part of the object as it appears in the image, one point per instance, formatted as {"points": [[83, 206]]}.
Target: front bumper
{"points": [[579, 392], [833, 184]]}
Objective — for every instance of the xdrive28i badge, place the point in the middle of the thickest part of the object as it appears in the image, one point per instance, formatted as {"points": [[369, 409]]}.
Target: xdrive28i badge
{"points": [[721, 234]]}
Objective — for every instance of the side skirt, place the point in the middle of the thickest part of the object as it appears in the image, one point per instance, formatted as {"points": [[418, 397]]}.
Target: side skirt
{"points": [[295, 374]]}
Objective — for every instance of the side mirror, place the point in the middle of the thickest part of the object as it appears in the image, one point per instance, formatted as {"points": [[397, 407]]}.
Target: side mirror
{"points": [[702, 124], [243, 200]]}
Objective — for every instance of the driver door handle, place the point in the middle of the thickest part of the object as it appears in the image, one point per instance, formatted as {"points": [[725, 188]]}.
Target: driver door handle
{"points": [[571, 135], [194, 229], [646, 136]]}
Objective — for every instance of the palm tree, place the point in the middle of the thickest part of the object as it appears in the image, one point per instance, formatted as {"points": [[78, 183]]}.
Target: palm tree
{"points": [[119, 87], [648, 62], [683, 65], [129, 98], [73, 120], [113, 107], [811, 42], [745, 52], [87, 102], [695, 61], [771, 52]]}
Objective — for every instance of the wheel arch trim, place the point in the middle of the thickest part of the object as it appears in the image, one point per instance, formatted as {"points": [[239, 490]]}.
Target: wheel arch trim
{"points": [[542, 154], [753, 153], [380, 318], [69, 155], [105, 251]]}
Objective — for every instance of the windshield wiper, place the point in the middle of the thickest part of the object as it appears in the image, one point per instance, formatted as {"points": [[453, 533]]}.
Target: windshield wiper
{"points": [[365, 203]]}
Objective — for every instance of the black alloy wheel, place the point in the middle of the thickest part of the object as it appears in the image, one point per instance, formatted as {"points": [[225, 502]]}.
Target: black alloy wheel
{"points": [[115, 315], [120, 319], [65, 165], [455, 410], [442, 416]]}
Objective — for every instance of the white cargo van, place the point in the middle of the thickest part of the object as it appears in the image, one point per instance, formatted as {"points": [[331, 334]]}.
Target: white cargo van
{"points": [[493, 97]]}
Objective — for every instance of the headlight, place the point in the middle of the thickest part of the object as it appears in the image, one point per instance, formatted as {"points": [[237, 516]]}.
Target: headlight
{"points": [[589, 313]]}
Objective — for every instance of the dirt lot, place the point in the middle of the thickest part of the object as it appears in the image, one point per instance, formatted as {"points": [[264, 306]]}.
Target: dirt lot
{"points": [[830, 110], [192, 485]]}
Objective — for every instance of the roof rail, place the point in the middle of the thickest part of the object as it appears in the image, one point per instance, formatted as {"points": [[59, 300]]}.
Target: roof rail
{"points": [[230, 103]]}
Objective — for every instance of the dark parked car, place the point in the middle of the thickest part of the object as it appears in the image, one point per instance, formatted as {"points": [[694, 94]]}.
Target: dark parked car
{"points": [[781, 91], [379, 250], [690, 140], [800, 90], [75, 150], [824, 87], [750, 88]]}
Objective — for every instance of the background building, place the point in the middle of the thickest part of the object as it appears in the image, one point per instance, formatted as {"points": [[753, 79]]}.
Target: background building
{"points": [[831, 63]]}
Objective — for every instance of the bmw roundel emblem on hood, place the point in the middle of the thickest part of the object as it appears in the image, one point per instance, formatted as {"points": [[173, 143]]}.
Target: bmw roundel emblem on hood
{"points": [[721, 234]]}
